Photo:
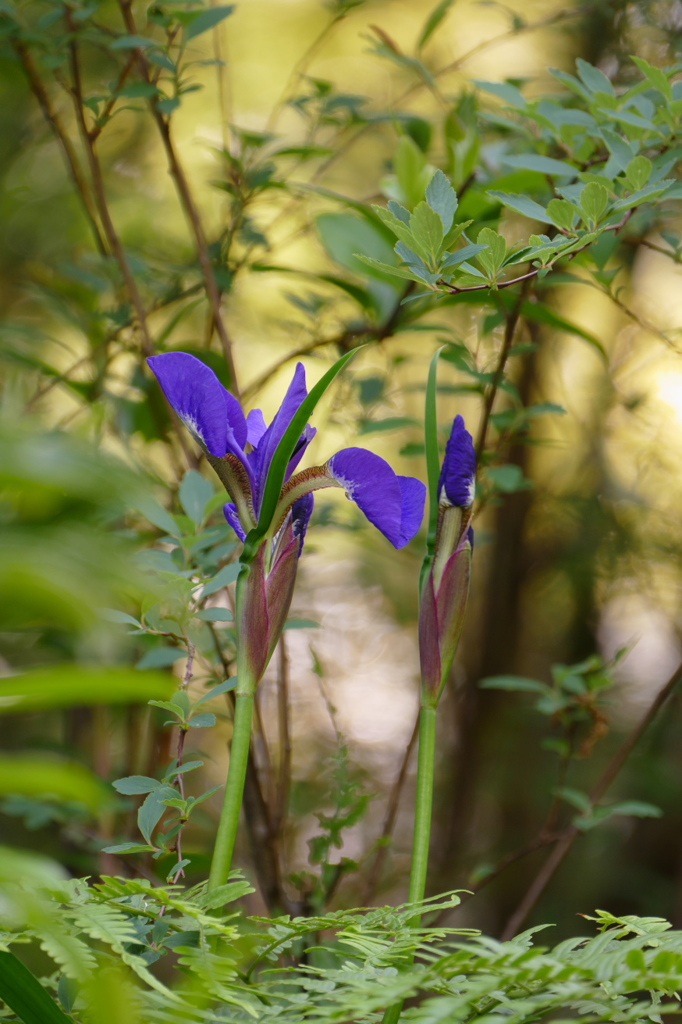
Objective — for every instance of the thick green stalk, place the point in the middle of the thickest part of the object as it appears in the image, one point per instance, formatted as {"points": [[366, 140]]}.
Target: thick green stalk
{"points": [[422, 825], [234, 786], [423, 806]]}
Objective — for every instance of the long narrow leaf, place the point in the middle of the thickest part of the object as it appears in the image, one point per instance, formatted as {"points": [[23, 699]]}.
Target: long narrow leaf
{"points": [[25, 995], [283, 453], [432, 458]]}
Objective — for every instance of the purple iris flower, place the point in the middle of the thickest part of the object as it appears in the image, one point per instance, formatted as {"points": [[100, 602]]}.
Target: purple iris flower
{"points": [[241, 448], [446, 588]]}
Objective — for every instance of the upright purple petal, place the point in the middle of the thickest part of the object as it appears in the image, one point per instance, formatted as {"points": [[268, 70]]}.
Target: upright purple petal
{"points": [[458, 475], [233, 519], [413, 493], [256, 427], [370, 482], [210, 413], [301, 512], [261, 458]]}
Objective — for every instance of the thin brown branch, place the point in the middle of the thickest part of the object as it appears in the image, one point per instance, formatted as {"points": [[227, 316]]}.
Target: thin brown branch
{"points": [[99, 191], [345, 341], [563, 847], [392, 807], [54, 120], [187, 202], [445, 70], [284, 773], [509, 332]]}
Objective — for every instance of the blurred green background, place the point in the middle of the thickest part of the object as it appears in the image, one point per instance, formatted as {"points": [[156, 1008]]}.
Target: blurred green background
{"points": [[288, 116]]}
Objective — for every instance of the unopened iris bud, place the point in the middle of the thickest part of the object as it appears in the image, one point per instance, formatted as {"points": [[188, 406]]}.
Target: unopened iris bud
{"points": [[446, 587]]}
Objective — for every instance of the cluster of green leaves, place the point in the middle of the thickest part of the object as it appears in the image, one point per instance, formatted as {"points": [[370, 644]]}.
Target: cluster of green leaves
{"points": [[611, 175], [575, 703], [631, 971]]}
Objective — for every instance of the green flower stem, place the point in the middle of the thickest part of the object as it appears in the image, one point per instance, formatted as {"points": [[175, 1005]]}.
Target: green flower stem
{"points": [[234, 787], [422, 825], [423, 806]]}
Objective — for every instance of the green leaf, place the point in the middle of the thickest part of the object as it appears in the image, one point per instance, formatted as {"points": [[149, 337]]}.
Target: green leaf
{"points": [[195, 494], [575, 797], [158, 515], [432, 22], [432, 459], [202, 721], [453, 259], [202, 21], [442, 198], [128, 848], [215, 615], [24, 994], [508, 479], [224, 687], [563, 214], [522, 204], [390, 423], [543, 164], [385, 268], [343, 235], [160, 657], [638, 172], [114, 615], [132, 43], [594, 79], [280, 460], [409, 164], [402, 230], [228, 574], [621, 151], [520, 683], [427, 228], [133, 785], [635, 809], [68, 685], [65, 780], [642, 195], [301, 624], [512, 96], [152, 810], [658, 78], [492, 258], [593, 202]]}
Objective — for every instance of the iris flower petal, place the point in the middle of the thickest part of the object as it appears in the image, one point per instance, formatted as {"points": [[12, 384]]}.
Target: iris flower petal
{"points": [[370, 482], [413, 494], [256, 425], [232, 516], [261, 458], [209, 411], [458, 475], [301, 512]]}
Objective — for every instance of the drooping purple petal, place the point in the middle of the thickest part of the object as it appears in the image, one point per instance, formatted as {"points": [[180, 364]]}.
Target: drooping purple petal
{"points": [[233, 519], [261, 458], [207, 409], [256, 427], [370, 482], [301, 512], [413, 493], [458, 475]]}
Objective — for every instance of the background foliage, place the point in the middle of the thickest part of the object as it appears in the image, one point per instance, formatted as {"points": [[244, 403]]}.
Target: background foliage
{"points": [[181, 176]]}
